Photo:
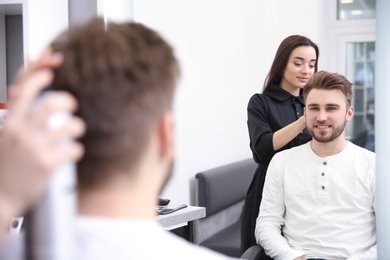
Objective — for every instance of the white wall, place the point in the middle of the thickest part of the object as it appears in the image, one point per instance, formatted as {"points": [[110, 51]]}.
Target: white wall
{"points": [[225, 48], [43, 20]]}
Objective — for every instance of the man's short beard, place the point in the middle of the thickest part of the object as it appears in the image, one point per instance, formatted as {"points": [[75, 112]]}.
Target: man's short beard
{"points": [[337, 132]]}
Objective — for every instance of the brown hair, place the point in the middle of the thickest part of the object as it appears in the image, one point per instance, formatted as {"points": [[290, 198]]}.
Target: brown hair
{"points": [[123, 76], [326, 80], [283, 53]]}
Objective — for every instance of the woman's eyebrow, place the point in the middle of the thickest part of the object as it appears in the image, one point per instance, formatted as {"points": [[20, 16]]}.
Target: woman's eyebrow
{"points": [[302, 59]]}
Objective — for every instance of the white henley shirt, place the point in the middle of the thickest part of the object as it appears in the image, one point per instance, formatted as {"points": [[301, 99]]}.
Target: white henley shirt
{"points": [[324, 206]]}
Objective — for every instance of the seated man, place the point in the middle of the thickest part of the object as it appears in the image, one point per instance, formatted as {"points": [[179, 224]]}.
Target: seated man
{"points": [[124, 78], [321, 194]]}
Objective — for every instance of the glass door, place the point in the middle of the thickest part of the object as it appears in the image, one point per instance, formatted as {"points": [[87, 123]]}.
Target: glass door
{"points": [[358, 54], [361, 70]]}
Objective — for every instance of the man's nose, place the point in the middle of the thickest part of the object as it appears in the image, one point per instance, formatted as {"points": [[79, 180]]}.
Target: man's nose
{"points": [[322, 116]]}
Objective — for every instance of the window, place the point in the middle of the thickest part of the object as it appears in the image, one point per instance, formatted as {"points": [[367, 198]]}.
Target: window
{"points": [[356, 9], [352, 41]]}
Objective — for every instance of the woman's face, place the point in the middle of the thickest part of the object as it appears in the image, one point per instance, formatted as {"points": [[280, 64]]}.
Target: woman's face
{"points": [[300, 67]]}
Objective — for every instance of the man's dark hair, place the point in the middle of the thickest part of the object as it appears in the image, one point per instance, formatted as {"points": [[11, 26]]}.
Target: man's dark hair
{"points": [[326, 80], [124, 77]]}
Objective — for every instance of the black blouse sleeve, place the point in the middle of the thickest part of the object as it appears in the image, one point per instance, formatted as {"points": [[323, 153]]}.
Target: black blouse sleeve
{"points": [[260, 133]]}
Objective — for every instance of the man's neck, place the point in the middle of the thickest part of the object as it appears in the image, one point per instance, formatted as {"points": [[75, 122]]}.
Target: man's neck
{"points": [[328, 148], [118, 199]]}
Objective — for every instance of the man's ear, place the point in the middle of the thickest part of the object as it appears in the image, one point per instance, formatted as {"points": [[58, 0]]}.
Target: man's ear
{"points": [[166, 135], [349, 114]]}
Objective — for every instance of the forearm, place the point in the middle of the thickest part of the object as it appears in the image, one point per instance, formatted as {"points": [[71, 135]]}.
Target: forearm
{"points": [[28, 152], [274, 244], [284, 135]]}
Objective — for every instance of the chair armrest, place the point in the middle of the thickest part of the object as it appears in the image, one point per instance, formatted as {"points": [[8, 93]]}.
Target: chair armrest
{"points": [[252, 253]]}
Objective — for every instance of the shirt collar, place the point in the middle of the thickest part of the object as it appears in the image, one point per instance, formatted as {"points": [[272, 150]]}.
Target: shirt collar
{"points": [[280, 94]]}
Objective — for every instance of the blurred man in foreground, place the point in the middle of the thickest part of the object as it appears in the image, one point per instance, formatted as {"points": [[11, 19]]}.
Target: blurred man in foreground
{"points": [[124, 78]]}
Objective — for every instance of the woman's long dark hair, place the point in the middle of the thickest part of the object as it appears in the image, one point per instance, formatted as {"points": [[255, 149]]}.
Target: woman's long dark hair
{"points": [[283, 53]]}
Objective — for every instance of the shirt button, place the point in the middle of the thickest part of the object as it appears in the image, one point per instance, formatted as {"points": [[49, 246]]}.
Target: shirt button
{"points": [[323, 187], [322, 174], [324, 163]]}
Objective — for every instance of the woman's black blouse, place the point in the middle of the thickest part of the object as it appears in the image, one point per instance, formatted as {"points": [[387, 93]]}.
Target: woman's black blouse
{"points": [[269, 112]]}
